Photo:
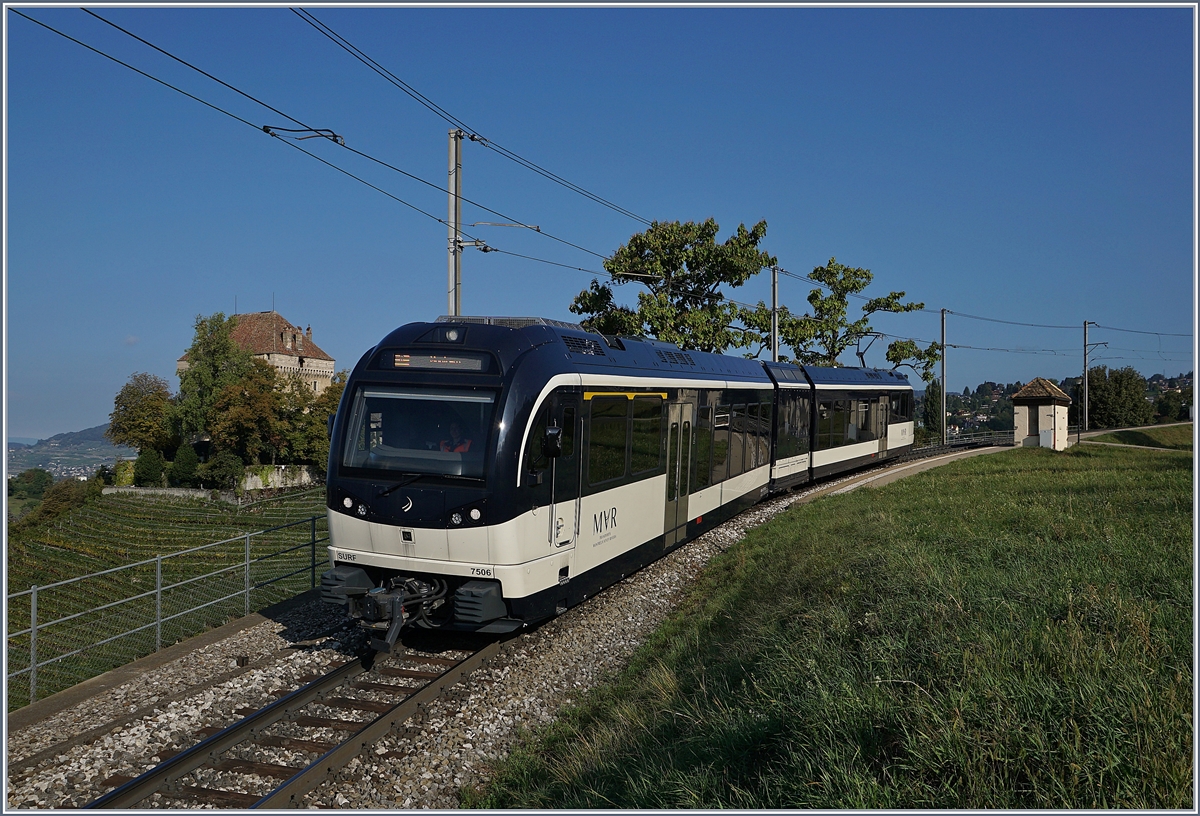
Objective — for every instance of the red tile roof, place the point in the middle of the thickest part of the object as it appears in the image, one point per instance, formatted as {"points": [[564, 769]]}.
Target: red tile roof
{"points": [[269, 333]]}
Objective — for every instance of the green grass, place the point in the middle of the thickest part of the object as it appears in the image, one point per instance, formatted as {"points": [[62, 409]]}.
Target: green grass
{"points": [[1175, 437], [1009, 631]]}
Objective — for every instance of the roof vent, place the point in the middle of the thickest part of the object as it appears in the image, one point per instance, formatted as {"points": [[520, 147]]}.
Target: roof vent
{"points": [[676, 357], [511, 322], [583, 345]]}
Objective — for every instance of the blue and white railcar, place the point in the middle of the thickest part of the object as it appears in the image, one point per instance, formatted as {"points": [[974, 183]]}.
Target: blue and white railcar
{"points": [[489, 472]]}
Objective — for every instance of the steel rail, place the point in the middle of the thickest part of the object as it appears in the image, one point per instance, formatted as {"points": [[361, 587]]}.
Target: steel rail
{"points": [[288, 794], [203, 752]]}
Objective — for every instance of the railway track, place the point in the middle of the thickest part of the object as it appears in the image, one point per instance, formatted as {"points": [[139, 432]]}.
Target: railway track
{"points": [[361, 700]]}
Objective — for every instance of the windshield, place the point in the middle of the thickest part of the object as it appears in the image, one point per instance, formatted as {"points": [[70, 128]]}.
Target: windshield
{"points": [[417, 430]]}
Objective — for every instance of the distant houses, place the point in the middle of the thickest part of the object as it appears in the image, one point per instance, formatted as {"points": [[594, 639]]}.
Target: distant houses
{"points": [[291, 350]]}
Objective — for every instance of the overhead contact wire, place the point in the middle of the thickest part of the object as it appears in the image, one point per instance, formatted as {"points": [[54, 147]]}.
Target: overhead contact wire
{"points": [[359, 153], [360, 55]]}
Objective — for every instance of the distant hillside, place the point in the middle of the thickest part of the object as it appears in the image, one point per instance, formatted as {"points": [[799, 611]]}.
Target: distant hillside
{"points": [[76, 453]]}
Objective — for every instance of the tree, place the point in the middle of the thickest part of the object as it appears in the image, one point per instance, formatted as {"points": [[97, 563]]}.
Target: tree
{"points": [[214, 362], [245, 416], [1173, 405], [932, 409], [684, 269], [141, 413], [30, 483], [307, 431], [148, 468], [183, 469], [1116, 399], [822, 337], [224, 471]]}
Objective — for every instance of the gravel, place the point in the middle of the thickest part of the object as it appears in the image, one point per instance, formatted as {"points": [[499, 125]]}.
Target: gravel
{"points": [[449, 745]]}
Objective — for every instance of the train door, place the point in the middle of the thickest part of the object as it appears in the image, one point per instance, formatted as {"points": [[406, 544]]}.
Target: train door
{"points": [[681, 417], [565, 473], [883, 414]]}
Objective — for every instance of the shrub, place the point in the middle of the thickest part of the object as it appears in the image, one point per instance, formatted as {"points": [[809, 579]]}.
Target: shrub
{"points": [[148, 468], [224, 470], [183, 469], [123, 473]]}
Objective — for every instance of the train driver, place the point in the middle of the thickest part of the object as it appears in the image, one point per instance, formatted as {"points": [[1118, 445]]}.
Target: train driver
{"points": [[457, 443]]}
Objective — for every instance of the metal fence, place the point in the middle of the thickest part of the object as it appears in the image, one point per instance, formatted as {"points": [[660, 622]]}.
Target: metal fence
{"points": [[106, 619]]}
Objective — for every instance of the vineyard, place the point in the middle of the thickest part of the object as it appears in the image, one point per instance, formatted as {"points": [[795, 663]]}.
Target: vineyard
{"points": [[122, 527], [145, 571]]}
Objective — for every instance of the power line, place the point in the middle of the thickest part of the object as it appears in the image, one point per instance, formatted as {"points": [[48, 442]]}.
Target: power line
{"points": [[362, 57], [330, 135], [1135, 331]]}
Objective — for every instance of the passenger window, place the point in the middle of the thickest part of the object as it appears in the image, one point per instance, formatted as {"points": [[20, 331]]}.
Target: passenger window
{"points": [[720, 448], [703, 455], [737, 441], [607, 437], [647, 435]]}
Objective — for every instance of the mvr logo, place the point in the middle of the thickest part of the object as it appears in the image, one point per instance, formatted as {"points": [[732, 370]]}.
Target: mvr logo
{"points": [[604, 521]]}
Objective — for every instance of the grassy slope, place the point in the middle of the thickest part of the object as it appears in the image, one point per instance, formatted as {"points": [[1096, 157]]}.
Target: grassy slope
{"points": [[1010, 631], [1176, 437]]}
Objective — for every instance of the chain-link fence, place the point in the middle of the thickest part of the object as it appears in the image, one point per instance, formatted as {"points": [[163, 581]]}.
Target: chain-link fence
{"points": [[82, 627]]}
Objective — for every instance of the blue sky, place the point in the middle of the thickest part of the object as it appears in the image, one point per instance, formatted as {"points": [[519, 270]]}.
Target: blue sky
{"points": [[1025, 164]]}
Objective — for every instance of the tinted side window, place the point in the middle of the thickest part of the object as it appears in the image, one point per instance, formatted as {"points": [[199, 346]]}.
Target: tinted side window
{"points": [[737, 441], [647, 434], [703, 453], [607, 437], [720, 450]]}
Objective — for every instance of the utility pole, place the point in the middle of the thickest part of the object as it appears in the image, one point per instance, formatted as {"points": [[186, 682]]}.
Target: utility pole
{"points": [[1086, 349], [774, 314], [943, 416], [454, 186], [1083, 425]]}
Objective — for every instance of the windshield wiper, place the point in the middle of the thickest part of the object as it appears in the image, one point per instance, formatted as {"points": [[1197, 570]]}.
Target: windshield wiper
{"points": [[409, 478]]}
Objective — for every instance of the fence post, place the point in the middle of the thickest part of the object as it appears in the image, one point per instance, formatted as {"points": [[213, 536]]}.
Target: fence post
{"points": [[157, 603], [247, 573], [33, 645], [312, 539]]}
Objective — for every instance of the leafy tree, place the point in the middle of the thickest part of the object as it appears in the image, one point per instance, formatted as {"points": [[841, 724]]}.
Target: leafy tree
{"points": [[30, 484], [246, 416], [214, 362], [932, 408], [1172, 406], [60, 498], [141, 413], [123, 473], [822, 337], [1116, 399], [684, 269], [224, 471], [148, 468], [105, 474], [183, 469], [308, 431]]}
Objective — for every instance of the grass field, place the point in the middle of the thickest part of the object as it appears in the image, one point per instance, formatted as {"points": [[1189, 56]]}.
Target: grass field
{"points": [[1175, 437], [1009, 631]]}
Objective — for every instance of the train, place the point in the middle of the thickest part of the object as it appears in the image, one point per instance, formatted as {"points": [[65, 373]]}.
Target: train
{"points": [[486, 473]]}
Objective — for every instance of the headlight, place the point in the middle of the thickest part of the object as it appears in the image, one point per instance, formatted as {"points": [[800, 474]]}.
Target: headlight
{"points": [[475, 514], [456, 518]]}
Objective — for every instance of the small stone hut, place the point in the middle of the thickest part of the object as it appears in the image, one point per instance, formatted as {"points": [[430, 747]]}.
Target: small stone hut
{"points": [[1040, 415]]}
